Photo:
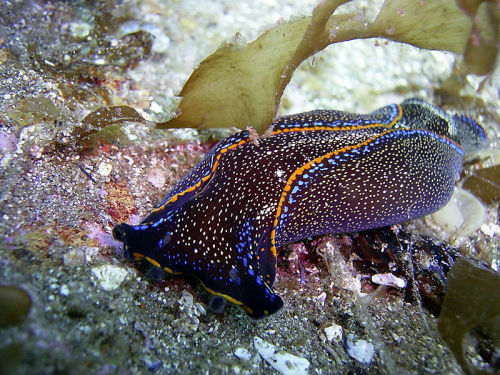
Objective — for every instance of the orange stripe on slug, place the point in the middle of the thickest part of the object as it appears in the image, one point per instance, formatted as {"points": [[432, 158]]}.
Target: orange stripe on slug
{"points": [[169, 270], [153, 262], [398, 116], [307, 166], [339, 128], [207, 177]]}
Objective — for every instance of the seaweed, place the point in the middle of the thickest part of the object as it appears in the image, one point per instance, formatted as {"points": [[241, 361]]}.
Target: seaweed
{"points": [[106, 116], [241, 84], [16, 304], [470, 317], [485, 184]]}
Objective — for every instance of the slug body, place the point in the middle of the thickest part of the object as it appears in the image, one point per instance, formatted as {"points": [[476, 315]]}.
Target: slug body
{"points": [[320, 172]]}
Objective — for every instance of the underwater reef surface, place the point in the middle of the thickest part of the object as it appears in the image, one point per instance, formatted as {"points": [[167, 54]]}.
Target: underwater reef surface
{"points": [[355, 303]]}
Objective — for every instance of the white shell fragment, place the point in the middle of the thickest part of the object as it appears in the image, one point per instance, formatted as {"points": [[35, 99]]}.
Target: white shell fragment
{"points": [[109, 277], [284, 363], [361, 350], [105, 169], [388, 279], [242, 353], [333, 333]]}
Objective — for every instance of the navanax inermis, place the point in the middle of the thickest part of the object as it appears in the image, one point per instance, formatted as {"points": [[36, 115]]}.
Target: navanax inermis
{"points": [[319, 172]]}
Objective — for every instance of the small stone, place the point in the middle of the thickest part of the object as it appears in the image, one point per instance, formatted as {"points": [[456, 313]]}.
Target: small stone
{"points": [[152, 366], [361, 350], [156, 177], [284, 363], [4, 56], [321, 299], [490, 229], [100, 61], [189, 321], [396, 337], [155, 107], [242, 353], [64, 290], [105, 169], [80, 30], [186, 300], [388, 279], [36, 151], [91, 252], [201, 309], [109, 277], [333, 333], [74, 258]]}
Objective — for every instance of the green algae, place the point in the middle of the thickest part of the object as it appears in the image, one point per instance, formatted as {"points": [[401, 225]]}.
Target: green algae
{"points": [[15, 305], [470, 317], [242, 84], [104, 124], [485, 184]]}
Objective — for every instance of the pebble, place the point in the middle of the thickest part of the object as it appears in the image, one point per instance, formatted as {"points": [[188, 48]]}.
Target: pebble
{"points": [[189, 320], [242, 353], [105, 169], [80, 29], [64, 290], [156, 177], [201, 309], [284, 363], [186, 301], [334, 333], [74, 258], [490, 229], [8, 141], [361, 350], [155, 107], [388, 279], [108, 276]]}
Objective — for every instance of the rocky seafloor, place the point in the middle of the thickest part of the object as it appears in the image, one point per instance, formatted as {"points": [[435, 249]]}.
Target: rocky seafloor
{"points": [[354, 303]]}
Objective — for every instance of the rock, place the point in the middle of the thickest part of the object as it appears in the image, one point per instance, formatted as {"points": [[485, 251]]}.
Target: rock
{"points": [[105, 169], [361, 350], [189, 321], [157, 177], [186, 301], [242, 353], [284, 363], [388, 279], [334, 333], [74, 258], [109, 277]]}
